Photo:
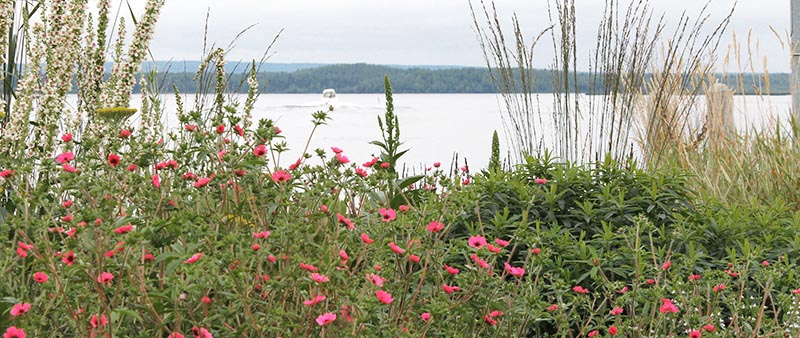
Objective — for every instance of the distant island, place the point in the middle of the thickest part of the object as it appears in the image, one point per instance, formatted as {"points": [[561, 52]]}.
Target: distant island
{"points": [[304, 78]]}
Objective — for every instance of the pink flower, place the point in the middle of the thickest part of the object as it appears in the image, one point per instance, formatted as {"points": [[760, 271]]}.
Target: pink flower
{"points": [[131, 167], [514, 271], [694, 277], [385, 165], [308, 267], [202, 182], [20, 309], [719, 287], [396, 249], [501, 242], [343, 255], [437, 164], [667, 306], [482, 263], [220, 129], [256, 247], [709, 327], [342, 159], [495, 313], [375, 280], [190, 127], [666, 265], [13, 332], [451, 270], [319, 278], [414, 258], [6, 173], [694, 334], [593, 333], [314, 301], [239, 130], [489, 320], [552, 308], [66, 138], [113, 160], [194, 258], [326, 318], [425, 316], [65, 157], [175, 335], [200, 332], [105, 277], [336, 150], [650, 281], [616, 311], [323, 208], [384, 297], [346, 221], [205, 300], [450, 289], [365, 238], [388, 215], [281, 176], [261, 235], [68, 168], [536, 251], [493, 248], [68, 258], [580, 289], [403, 208], [370, 163], [123, 229], [435, 226], [260, 150], [477, 241], [540, 181], [124, 133], [156, 181], [40, 277], [361, 172]]}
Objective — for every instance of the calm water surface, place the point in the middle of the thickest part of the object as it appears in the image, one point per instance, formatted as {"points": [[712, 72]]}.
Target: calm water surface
{"points": [[433, 126]]}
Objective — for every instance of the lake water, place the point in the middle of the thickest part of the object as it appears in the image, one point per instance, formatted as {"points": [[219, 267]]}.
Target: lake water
{"points": [[433, 126]]}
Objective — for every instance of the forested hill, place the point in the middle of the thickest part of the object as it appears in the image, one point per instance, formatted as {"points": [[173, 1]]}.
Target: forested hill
{"points": [[367, 78]]}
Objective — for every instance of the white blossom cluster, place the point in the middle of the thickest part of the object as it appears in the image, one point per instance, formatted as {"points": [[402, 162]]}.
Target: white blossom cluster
{"points": [[118, 89], [6, 12]]}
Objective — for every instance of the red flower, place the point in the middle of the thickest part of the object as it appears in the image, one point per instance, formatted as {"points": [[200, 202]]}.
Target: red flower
{"points": [[261, 235], [124, 133], [694, 334], [20, 309], [220, 129], [694, 277], [552, 308], [414, 258], [396, 249], [156, 181], [493, 248], [13, 332], [66, 138], [425, 316], [281, 176], [346, 221], [190, 127], [40, 277], [113, 160], [343, 255], [540, 181], [200, 332], [308, 267], [326, 318], [384, 297], [667, 306], [501, 242], [451, 270], [435, 226], [719, 287], [239, 130], [6, 173], [260, 150], [194, 258], [342, 159], [202, 182], [68, 168], [593, 333], [489, 320], [205, 300], [365, 238], [375, 279], [450, 289], [650, 281], [256, 247], [612, 330], [536, 251], [666, 265], [709, 327], [616, 311], [580, 289], [123, 229], [105, 277], [495, 313], [175, 335], [482, 263], [514, 271], [65, 157]]}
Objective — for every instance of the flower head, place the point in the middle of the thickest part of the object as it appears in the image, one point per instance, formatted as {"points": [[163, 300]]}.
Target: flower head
{"points": [[396, 249], [114, 160], [319, 278], [280, 176], [20, 309], [14, 332], [387, 215], [476, 241], [667, 306], [514, 271], [425, 316], [580, 289], [260, 150], [326, 318], [105, 277], [384, 297], [40, 277], [434, 226], [194, 258]]}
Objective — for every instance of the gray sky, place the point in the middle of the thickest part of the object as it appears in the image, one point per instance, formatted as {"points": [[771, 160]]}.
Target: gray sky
{"points": [[433, 32]]}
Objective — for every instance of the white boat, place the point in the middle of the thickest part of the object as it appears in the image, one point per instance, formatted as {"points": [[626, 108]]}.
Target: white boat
{"points": [[329, 98]]}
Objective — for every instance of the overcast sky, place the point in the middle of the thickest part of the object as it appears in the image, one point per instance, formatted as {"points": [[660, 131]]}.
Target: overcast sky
{"points": [[431, 32]]}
